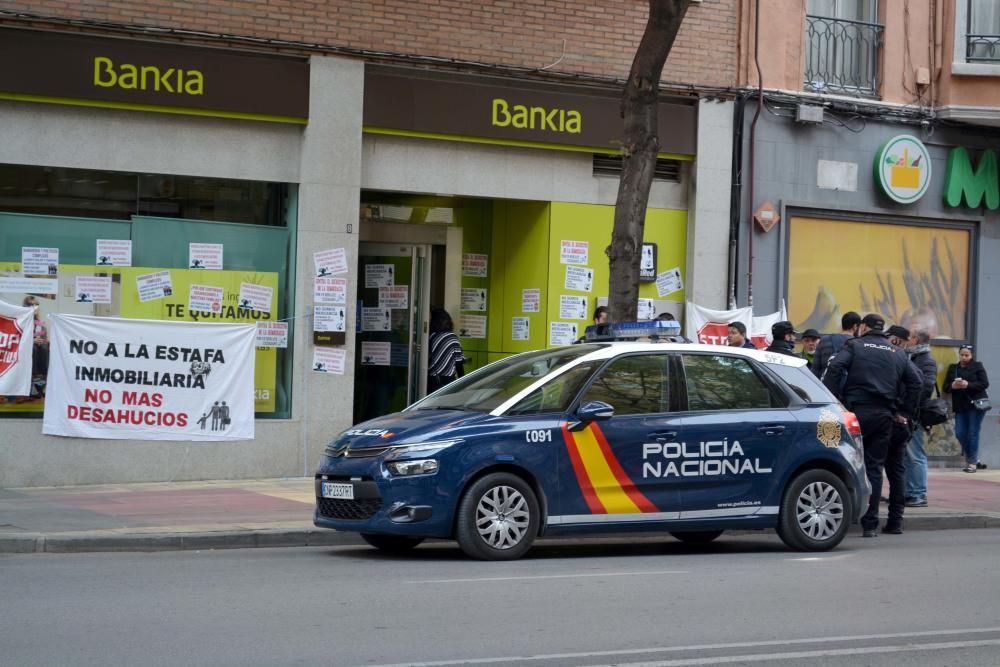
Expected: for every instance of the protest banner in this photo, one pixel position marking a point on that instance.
(117, 378)
(16, 326)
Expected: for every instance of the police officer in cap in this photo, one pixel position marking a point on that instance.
(782, 338)
(876, 381)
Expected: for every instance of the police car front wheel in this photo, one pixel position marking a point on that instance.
(814, 512)
(497, 518)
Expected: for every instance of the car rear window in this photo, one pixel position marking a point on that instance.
(805, 385)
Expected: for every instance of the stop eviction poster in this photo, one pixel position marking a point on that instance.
(149, 380)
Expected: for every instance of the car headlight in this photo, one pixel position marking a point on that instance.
(418, 448)
(414, 467)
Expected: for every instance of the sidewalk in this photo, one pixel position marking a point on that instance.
(278, 513)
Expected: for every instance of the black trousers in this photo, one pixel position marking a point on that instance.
(885, 445)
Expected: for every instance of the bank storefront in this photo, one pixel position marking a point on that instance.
(887, 219)
(334, 203)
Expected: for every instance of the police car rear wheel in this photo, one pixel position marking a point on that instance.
(395, 544)
(814, 512)
(497, 518)
(697, 536)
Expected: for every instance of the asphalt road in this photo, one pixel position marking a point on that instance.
(923, 598)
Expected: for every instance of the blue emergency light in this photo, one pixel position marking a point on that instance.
(663, 331)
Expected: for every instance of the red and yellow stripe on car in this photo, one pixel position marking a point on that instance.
(605, 485)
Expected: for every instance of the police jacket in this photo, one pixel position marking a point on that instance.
(872, 371)
(828, 346)
(975, 375)
(782, 347)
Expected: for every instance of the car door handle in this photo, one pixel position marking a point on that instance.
(664, 435)
(771, 429)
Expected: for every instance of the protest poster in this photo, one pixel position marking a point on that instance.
(39, 261)
(520, 328)
(17, 284)
(93, 289)
(16, 328)
(474, 299)
(375, 319)
(256, 297)
(272, 334)
(379, 275)
(572, 307)
(205, 256)
(205, 298)
(152, 286)
(574, 252)
(474, 266)
(579, 278)
(395, 296)
(115, 378)
(374, 353)
(330, 262)
(327, 360)
(562, 333)
(669, 282)
(114, 252)
(329, 318)
(531, 300)
(330, 290)
(472, 326)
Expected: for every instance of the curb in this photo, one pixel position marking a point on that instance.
(280, 537)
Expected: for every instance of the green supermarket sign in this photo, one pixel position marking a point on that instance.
(903, 168)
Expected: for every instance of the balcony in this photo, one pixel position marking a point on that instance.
(982, 49)
(842, 56)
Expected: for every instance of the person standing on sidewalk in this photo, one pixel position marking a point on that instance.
(874, 379)
(831, 344)
(782, 338)
(919, 349)
(738, 336)
(967, 382)
(810, 341)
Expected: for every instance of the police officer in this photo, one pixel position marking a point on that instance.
(876, 381)
(782, 338)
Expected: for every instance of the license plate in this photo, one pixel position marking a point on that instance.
(338, 491)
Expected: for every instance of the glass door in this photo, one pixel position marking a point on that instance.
(390, 328)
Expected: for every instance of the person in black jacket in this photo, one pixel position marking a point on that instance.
(967, 382)
(830, 345)
(783, 338)
(874, 379)
(738, 336)
(919, 349)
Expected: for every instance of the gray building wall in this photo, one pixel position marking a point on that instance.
(788, 156)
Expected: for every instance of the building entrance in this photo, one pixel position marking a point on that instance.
(394, 281)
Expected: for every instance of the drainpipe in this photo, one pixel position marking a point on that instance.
(753, 146)
(735, 197)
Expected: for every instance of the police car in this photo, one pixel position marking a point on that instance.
(604, 437)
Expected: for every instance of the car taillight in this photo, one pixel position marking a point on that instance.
(852, 423)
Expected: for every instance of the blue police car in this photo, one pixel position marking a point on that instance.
(603, 437)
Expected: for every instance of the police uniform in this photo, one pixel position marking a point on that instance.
(876, 381)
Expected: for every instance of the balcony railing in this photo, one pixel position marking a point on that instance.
(842, 56)
(982, 48)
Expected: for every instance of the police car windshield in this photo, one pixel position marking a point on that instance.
(485, 389)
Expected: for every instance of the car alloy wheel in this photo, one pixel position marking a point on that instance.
(498, 517)
(819, 510)
(815, 511)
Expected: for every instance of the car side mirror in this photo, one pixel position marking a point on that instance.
(595, 411)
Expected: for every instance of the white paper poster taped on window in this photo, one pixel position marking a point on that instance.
(474, 299)
(272, 334)
(520, 328)
(472, 326)
(149, 379)
(39, 261)
(205, 256)
(375, 319)
(396, 296)
(669, 282)
(474, 266)
(579, 278)
(379, 275)
(93, 289)
(330, 290)
(256, 297)
(328, 360)
(114, 252)
(562, 333)
(574, 252)
(17, 284)
(16, 348)
(205, 298)
(572, 307)
(374, 353)
(645, 310)
(152, 286)
(531, 300)
(330, 262)
(330, 318)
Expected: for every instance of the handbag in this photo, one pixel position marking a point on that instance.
(935, 410)
(982, 403)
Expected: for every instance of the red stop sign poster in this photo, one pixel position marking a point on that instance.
(714, 333)
(10, 343)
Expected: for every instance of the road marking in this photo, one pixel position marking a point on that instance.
(798, 655)
(545, 576)
(710, 647)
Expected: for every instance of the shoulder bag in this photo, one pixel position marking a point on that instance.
(935, 410)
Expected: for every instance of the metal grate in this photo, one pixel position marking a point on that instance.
(842, 56)
(348, 509)
(611, 165)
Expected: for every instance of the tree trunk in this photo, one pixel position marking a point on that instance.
(640, 146)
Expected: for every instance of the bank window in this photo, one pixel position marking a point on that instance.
(638, 384)
(716, 382)
(160, 216)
